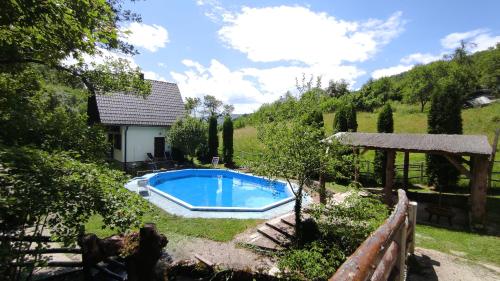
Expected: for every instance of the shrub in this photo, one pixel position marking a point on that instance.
(385, 124)
(444, 118)
(227, 141)
(342, 228)
(345, 119)
(213, 139)
(186, 135)
(315, 262)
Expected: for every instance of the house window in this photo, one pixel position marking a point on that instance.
(118, 142)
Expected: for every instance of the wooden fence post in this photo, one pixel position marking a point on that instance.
(401, 263)
(412, 217)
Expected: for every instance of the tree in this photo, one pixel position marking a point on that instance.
(293, 151)
(187, 134)
(228, 109)
(192, 105)
(49, 32)
(42, 190)
(385, 124)
(421, 83)
(444, 118)
(227, 141)
(211, 106)
(345, 119)
(337, 89)
(213, 138)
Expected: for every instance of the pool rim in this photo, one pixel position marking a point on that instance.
(219, 209)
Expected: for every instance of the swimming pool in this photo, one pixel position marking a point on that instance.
(219, 190)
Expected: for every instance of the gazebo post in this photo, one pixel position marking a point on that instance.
(389, 176)
(479, 185)
(405, 170)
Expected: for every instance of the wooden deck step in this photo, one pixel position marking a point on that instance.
(263, 243)
(283, 228)
(274, 235)
(289, 221)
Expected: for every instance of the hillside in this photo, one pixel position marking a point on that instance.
(407, 119)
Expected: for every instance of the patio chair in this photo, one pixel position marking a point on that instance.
(215, 162)
(142, 185)
(151, 161)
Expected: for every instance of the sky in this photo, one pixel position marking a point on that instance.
(247, 53)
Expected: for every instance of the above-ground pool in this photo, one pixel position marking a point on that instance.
(219, 190)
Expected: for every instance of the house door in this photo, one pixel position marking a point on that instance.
(159, 147)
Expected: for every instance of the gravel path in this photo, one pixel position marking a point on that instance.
(433, 265)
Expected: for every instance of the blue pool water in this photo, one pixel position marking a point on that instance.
(222, 189)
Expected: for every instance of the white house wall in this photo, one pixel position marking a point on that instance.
(140, 141)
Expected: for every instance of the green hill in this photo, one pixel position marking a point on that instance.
(407, 119)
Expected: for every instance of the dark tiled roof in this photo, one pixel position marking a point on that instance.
(456, 144)
(161, 108)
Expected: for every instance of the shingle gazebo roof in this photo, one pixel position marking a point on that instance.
(161, 108)
(424, 143)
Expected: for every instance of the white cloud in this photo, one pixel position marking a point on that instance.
(153, 75)
(248, 88)
(482, 39)
(101, 56)
(420, 58)
(296, 33)
(393, 70)
(149, 37)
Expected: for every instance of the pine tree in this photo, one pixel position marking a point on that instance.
(227, 141)
(345, 119)
(385, 124)
(213, 139)
(444, 118)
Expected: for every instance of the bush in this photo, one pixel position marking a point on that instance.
(314, 262)
(186, 135)
(213, 139)
(385, 124)
(340, 229)
(227, 141)
(345, 119)
(444, 118)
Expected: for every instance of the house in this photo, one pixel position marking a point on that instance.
(138, 125)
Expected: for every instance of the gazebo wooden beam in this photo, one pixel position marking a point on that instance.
(458, 165)
(389, 176)
(479, 186)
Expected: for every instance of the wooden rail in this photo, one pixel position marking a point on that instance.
(382, 256)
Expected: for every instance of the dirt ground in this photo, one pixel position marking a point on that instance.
(432, 265)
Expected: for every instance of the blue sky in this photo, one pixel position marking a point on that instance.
(249, 52)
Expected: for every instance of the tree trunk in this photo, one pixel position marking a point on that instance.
(298, 220)
(322, 189)
(422, 106)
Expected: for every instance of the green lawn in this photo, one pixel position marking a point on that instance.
(470, 246)
(214, 229)
(407, 119)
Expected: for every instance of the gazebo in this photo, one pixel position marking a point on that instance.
(452, 147)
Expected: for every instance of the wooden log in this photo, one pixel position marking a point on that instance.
(452, 159)
(479, 185)
(362, 263)
(401, 263)
(384, 268)
(389, 176)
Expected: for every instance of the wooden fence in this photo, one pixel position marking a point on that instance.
(382, 256)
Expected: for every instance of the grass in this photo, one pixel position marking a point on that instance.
(221, 230)
(470, 246)
(407, 119)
